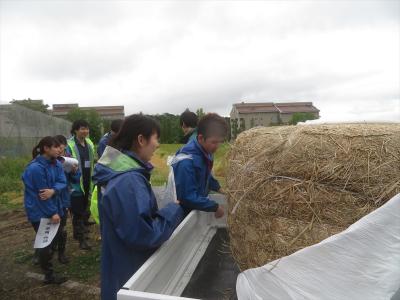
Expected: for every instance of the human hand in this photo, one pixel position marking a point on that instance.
(220, 212)
(46, 194)
(55, 219)
(74, 168)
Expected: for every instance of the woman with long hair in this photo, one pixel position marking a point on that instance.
(44, 180)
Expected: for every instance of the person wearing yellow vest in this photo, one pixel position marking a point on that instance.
(81, 148)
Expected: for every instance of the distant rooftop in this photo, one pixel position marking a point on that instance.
(283, 108)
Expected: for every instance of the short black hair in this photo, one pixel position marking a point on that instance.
(116, 125)
(78, 124)
(212, 125)
(131, 128)
(188, 118)
(61, 139)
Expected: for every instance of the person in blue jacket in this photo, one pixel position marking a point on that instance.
(44, 181)
(73, 177)
(114, 128)
(193, 177)
(132, 225)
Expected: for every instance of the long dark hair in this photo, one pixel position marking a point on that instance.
(47, 141)
(131, 128)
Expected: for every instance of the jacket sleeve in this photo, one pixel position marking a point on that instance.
(35, 180)
(214, 184)
(68, 151)
(74, 177)
(127, 204)
(186, 188)
(60, 180)
(101, 147)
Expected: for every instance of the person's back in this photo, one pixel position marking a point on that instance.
(114, 128)
(188, 121)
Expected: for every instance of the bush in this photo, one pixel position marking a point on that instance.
(10, 174)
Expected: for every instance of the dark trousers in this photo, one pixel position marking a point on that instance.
(80, 216)
(61, 242)
(46, 254)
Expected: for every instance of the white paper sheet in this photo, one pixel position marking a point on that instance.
(46, 233)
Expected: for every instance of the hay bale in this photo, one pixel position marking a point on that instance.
(291, 187)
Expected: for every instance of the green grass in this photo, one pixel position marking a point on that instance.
(160, 173)
(23, 256)
(10, 174)
(84, 266)
(11, 186)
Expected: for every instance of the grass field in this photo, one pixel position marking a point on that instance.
(159, 160)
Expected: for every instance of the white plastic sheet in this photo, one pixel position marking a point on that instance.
(69, 163)
(169, 193)
(362, 262)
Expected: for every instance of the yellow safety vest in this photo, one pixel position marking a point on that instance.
(75, 154)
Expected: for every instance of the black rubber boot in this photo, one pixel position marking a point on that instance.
(51, 278)
(35, 258)
(61, 248)
(84, 245)
(62, 258)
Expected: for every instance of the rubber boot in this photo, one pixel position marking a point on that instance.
(52, 278)
(35, 258)
(84, 245)
(61, 248)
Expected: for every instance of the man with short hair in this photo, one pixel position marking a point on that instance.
(114, 128)
(81, 148)
(193, 178)
(188, 122)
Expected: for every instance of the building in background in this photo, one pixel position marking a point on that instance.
(105, 112)
(244, 116)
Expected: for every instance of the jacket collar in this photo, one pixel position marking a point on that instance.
(206, 155)
(44, 161)
(145, 165)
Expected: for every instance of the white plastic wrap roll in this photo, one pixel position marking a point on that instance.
(360, 263)
(69, 163)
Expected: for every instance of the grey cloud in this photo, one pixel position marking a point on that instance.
(89, 63)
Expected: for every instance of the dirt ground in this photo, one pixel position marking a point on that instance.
(16, 252)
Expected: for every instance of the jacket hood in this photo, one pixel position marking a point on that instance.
(114, 162)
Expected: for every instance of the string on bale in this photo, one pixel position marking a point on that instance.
(290, 187)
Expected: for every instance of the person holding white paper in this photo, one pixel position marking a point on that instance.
(44, 180)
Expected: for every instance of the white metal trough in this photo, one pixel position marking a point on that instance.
(168, 271)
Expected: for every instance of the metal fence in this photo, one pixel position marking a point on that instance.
(22, 128)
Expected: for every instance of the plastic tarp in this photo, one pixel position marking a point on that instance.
(169, 193)
(362, 262)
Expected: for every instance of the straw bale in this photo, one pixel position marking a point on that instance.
(290, 187)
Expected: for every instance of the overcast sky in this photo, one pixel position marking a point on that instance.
(159, 56)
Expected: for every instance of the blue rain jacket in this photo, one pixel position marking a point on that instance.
(42, 173)
(132, 225)
(193, 178)
(103, 143)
